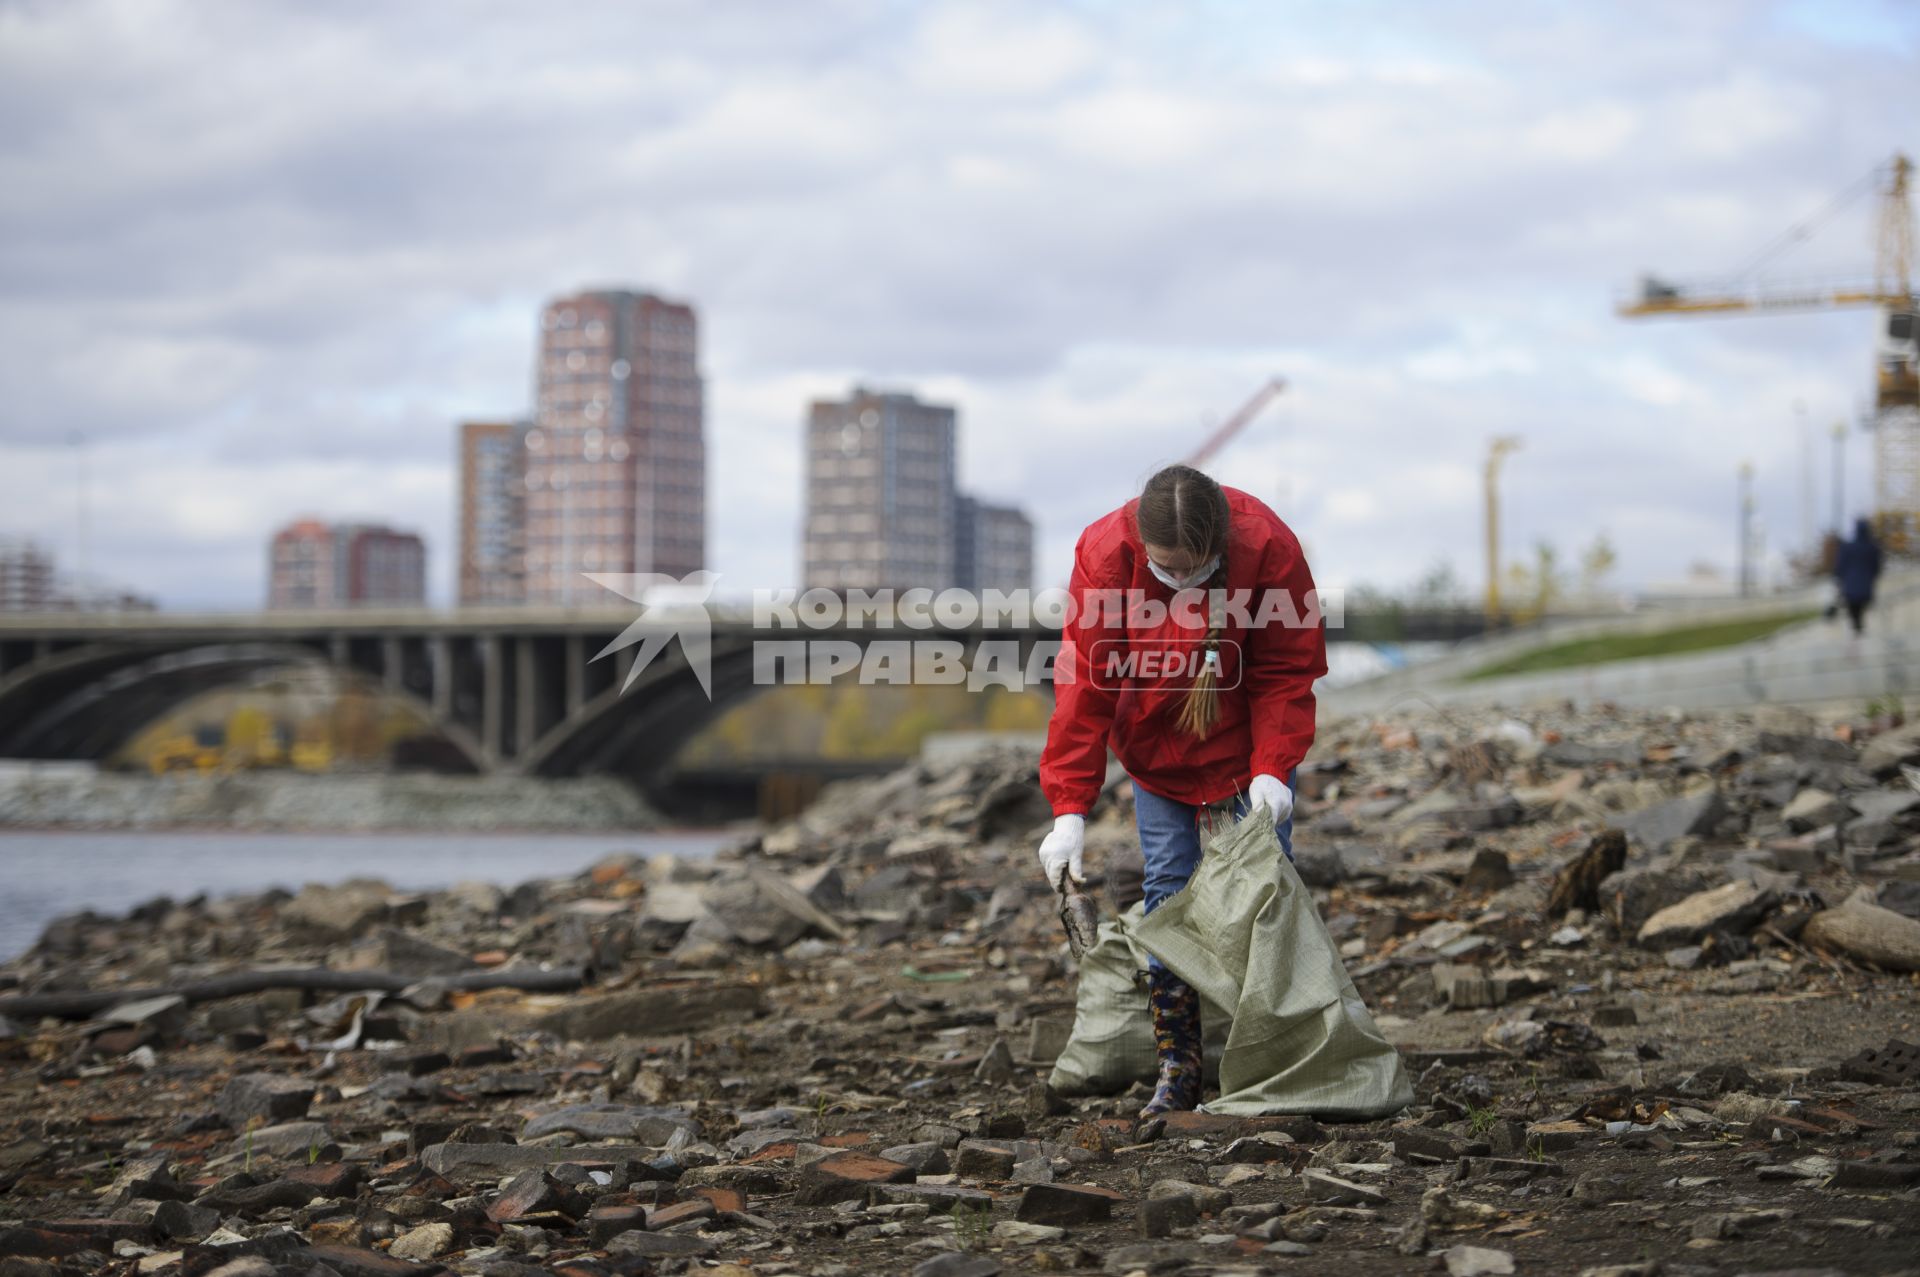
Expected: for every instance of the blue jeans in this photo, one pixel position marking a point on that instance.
(1170, 843)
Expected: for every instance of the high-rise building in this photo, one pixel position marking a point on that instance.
(314, 564)
(883, 511)
(492, 538)
(26, 576)
(300, 571)
(992, 546)
(384, 566)
(880, 493)
(615, 459)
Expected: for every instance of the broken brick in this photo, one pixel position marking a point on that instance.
(1197, 1125)
(681, 1212)
(974, 1160)
(330, 1179)
(723, 1199)
(1064, 1205)
(535, 1192)
(608, 1220)
(845, 1176)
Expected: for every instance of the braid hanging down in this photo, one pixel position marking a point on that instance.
(1181, 508)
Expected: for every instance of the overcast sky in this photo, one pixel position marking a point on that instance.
(263, 256)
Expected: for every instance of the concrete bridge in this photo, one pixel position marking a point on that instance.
(512, 689)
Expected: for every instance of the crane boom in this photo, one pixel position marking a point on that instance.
(1891, 286)
(1896, 357)
(1233, 425)
(1658, 297)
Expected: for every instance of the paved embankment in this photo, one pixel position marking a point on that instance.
(1815, 663)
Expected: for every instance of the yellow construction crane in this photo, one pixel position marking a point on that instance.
(1497, 451)
(1896, 451)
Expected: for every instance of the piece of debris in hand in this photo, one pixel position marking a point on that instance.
(1079, 916)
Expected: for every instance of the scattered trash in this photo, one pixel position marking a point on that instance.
(825, 1050)
(1079, 916)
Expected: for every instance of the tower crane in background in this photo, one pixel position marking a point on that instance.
(1233, 425)
(1497, 450)
(1896, 420)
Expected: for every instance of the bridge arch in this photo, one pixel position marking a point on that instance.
(86, 702)
(638, 732)
(512, 688)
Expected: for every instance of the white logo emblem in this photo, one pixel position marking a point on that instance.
(669, 607)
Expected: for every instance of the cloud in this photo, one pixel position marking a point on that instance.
(293, 246)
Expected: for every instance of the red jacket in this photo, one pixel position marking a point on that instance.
(1267, 672)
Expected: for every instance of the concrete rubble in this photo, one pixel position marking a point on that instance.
(1683, 1047)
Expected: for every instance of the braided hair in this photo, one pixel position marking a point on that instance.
(1181, 508)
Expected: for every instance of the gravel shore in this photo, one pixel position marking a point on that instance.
(71, 797)
(1645, 970)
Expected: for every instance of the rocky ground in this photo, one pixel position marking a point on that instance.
(40, 796)
(1675, 1048)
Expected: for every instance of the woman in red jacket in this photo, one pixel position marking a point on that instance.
(1192, 653)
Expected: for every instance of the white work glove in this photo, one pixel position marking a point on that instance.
(1272, 793)
(1060, 850)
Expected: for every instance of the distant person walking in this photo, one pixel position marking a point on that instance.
(1856, 567)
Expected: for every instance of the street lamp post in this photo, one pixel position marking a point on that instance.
(1746, 529)
(1805, 431)
(1839, 478)
(80, 461)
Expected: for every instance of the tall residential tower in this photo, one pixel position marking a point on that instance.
(492, 536)
(615, 459)
(992, 546)
(883, 509)
(880, 493)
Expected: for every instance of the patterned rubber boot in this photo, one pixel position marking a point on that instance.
(1176, 1035)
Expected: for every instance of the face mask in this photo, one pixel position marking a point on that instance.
(1197, 577)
